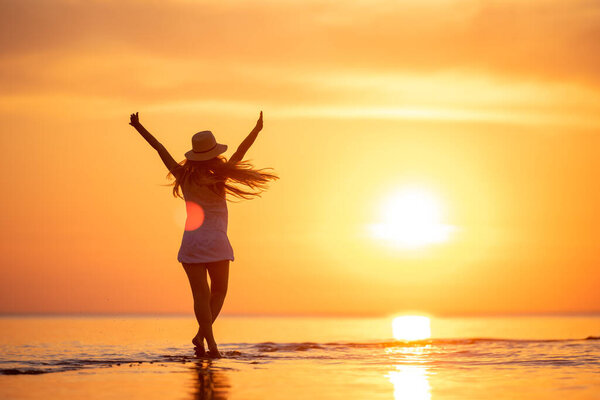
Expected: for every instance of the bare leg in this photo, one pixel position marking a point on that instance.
(198, 342)
(198, 282)
(219, 277)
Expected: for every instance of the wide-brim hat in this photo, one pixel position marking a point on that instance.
(205, 147)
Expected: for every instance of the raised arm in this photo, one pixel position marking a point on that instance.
(245, 145)
(169, 161)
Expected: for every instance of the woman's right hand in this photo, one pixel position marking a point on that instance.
(134, 119)
(259, 123)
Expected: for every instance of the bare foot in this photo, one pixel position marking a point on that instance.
(200, 352)
(198, 342)
(213, 353)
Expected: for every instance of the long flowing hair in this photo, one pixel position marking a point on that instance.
(218, 172)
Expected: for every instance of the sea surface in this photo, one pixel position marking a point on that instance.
(141, 357)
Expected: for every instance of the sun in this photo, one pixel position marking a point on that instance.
(411, 327)
(411, 218)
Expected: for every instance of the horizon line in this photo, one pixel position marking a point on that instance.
(591, 313)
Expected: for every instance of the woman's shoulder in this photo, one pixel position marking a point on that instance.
(177, 169)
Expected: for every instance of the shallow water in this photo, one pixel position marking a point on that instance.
(143, 357)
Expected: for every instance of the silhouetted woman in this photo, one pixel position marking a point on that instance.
(206, 178)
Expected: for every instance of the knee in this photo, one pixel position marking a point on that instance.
(201, 296)
(202, 303)
(218, 290)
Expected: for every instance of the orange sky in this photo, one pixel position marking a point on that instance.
(492, 106)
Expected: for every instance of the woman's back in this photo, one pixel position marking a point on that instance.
(205, 235)
(208, 200)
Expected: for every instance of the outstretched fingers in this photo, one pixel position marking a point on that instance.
(134, 119)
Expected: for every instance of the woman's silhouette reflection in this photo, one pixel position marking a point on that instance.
(210, 382)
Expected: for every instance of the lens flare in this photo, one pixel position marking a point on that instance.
(195, 216)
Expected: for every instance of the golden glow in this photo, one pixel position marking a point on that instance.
(410, 382)
(502, 143)
(411, 327)
(411, 218)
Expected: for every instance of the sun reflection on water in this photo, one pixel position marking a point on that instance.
(410, 382)
(410, 377)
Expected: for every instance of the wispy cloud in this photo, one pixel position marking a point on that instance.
(386, 59)
(547, 39)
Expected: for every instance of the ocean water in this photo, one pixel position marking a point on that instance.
(299, 358)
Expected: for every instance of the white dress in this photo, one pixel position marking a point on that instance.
(205, 237)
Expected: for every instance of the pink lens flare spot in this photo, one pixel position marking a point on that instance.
(195, 216)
